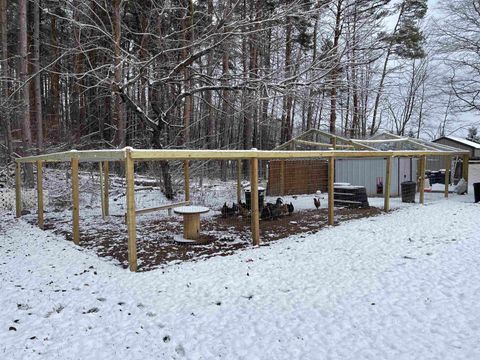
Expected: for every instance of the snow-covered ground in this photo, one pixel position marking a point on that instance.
(404, 285)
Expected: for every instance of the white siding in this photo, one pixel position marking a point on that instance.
(364, 172)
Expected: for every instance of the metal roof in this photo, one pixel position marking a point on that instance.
(466, 142)
(384, 141)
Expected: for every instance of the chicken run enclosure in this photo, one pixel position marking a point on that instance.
(314, 147)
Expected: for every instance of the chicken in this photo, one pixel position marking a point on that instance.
(283, 208)
(270, 212)
(242, 209)
(229, 211)
(316, 201)
(225, 210)
(290, 208)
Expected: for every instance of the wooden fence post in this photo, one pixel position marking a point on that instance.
(331, 180)
(254, 201)
(386, 195)
(448, 163)
(18, 190)
(423, 160)
(106, 185)
(131, 216)
(102, 191)
(75, 202)
(239, 181)
(40, 216)
(186, 173)
(466, 158)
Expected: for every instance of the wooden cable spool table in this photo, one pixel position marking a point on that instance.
(191, 220)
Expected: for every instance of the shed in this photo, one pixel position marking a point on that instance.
(371, 173)
(461, 143)
(367, 171)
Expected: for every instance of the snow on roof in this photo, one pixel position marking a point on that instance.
(462, 141)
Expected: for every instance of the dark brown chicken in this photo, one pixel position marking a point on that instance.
(290, 208)
(316, 201)
(242, 209)
(229, 211)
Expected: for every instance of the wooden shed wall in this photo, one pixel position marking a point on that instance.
(301, 177)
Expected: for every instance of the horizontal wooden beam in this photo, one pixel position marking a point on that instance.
(291, 141)
(163, 207)
(271, 155)
(326, 145)
(361, 146)
(379, 141)
(82, 155)
(112, 155)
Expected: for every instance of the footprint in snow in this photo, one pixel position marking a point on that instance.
(56, 310)
(91, 311)
(180, 350)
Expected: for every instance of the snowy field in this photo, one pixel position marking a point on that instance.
(399, 286)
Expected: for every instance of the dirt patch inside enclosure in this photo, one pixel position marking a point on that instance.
(156, 245)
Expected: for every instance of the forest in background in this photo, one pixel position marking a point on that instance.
(232, 74)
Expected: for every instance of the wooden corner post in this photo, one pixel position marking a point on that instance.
(18, 190)
(448, 164)
(386, 193)
(331, 180)
(254, 201)
(75, 201)
(186, 173)
(131, 217)
(40, 216)
(239, 181)
(423, 161)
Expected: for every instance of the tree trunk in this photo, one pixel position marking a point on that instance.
(335, 70)
(310, 108)
(36, 70)
(55, 126)
(23, 76)
(187, 30)
(5, 115)
(287, 100)
(119, 113)
(210, 128)
(374, 126)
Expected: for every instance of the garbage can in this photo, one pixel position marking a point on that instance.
(476, 191)
(248, 197)
(408, 191)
